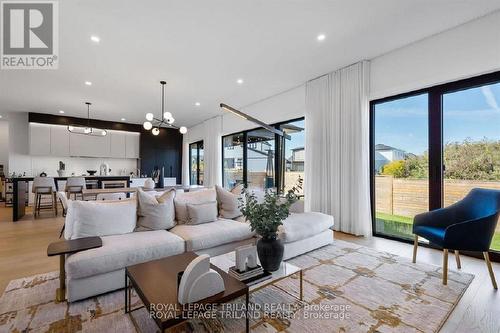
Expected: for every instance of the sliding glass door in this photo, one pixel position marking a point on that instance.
(430, 148)
(196, 164)
(471, 138)
(400, 163)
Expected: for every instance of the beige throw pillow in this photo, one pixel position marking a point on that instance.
(100, 218)
(155, 212)
(196, 197)
(228, 201)
(202, 213)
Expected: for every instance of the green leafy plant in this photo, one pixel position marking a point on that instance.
(265, 217)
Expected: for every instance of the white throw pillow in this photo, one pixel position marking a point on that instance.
(198, 197)
(102, 218)
(155, 212)
(228, 201)
(202, 213)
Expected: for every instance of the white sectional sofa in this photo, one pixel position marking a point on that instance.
(100, 270)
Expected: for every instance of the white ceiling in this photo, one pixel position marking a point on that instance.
(201, 47)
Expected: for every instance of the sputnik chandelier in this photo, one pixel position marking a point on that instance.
(165, 120)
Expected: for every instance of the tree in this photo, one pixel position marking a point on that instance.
(396, 169)
(472, 160)
(468, 160)
(411, 167)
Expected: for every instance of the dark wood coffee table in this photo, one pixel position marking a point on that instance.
(156, 283)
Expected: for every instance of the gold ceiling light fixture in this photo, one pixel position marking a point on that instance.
(166, 119)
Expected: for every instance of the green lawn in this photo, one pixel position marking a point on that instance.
(391, 220)
(395, 218)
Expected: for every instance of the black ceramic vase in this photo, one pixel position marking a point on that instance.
(270, 251)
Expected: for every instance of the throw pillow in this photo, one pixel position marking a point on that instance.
(202, 213)
(102, 218)
(155, 212)
(228, 201)
(197, 197)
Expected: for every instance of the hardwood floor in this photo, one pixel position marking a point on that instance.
(23, 252)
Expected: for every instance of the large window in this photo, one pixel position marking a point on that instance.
(261, 159)
(431, 147)
(196, 165)
(401, 173)
(471, 138)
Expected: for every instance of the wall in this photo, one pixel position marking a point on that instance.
(468, 50)
(19, 158)
(4, 145)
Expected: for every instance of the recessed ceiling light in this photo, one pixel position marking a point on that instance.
(61, 111)
(123, 119)
(239, 81)
(88, 83)
(321, 37)
(197, 104)
(0, 116)
(95, 39)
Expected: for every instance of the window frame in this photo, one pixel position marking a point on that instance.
(278, 144)
(435, 141)
(198, 145)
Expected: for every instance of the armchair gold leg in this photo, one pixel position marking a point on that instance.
(457, 258)
(445, 266)
(415, 246)
(490, 269)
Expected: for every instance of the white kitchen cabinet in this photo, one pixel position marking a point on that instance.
(117, 144)
(132, 145)
(39, 139)
(89, 145)
(59, 140)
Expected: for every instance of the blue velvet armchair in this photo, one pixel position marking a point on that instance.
(467, 225)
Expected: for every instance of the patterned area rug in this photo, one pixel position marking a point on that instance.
(347, 288)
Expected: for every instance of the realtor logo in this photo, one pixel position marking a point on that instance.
(29, 35)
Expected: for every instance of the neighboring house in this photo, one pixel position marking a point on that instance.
(385, 154)
(296, 162)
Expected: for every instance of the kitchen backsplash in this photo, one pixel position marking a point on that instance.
(80, 165)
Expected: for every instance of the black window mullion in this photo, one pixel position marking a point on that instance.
(245, 154)
(435, 149)
(198, 163)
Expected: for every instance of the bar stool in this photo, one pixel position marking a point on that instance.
(44, 186)
(75, 186)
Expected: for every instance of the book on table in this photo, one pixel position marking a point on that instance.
(250, 275)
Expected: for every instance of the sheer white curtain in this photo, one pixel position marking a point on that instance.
(212, 145)
(337, 148)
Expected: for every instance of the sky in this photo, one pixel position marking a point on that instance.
(297, 139)
(469, 114)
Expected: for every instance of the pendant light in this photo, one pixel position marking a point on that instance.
(166, 119)
(87, 130)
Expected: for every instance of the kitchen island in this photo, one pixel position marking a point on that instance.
(20, 184)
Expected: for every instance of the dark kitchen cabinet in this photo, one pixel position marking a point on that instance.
(163, 150)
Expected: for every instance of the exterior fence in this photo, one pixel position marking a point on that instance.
(408, 197)
(256, 179)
